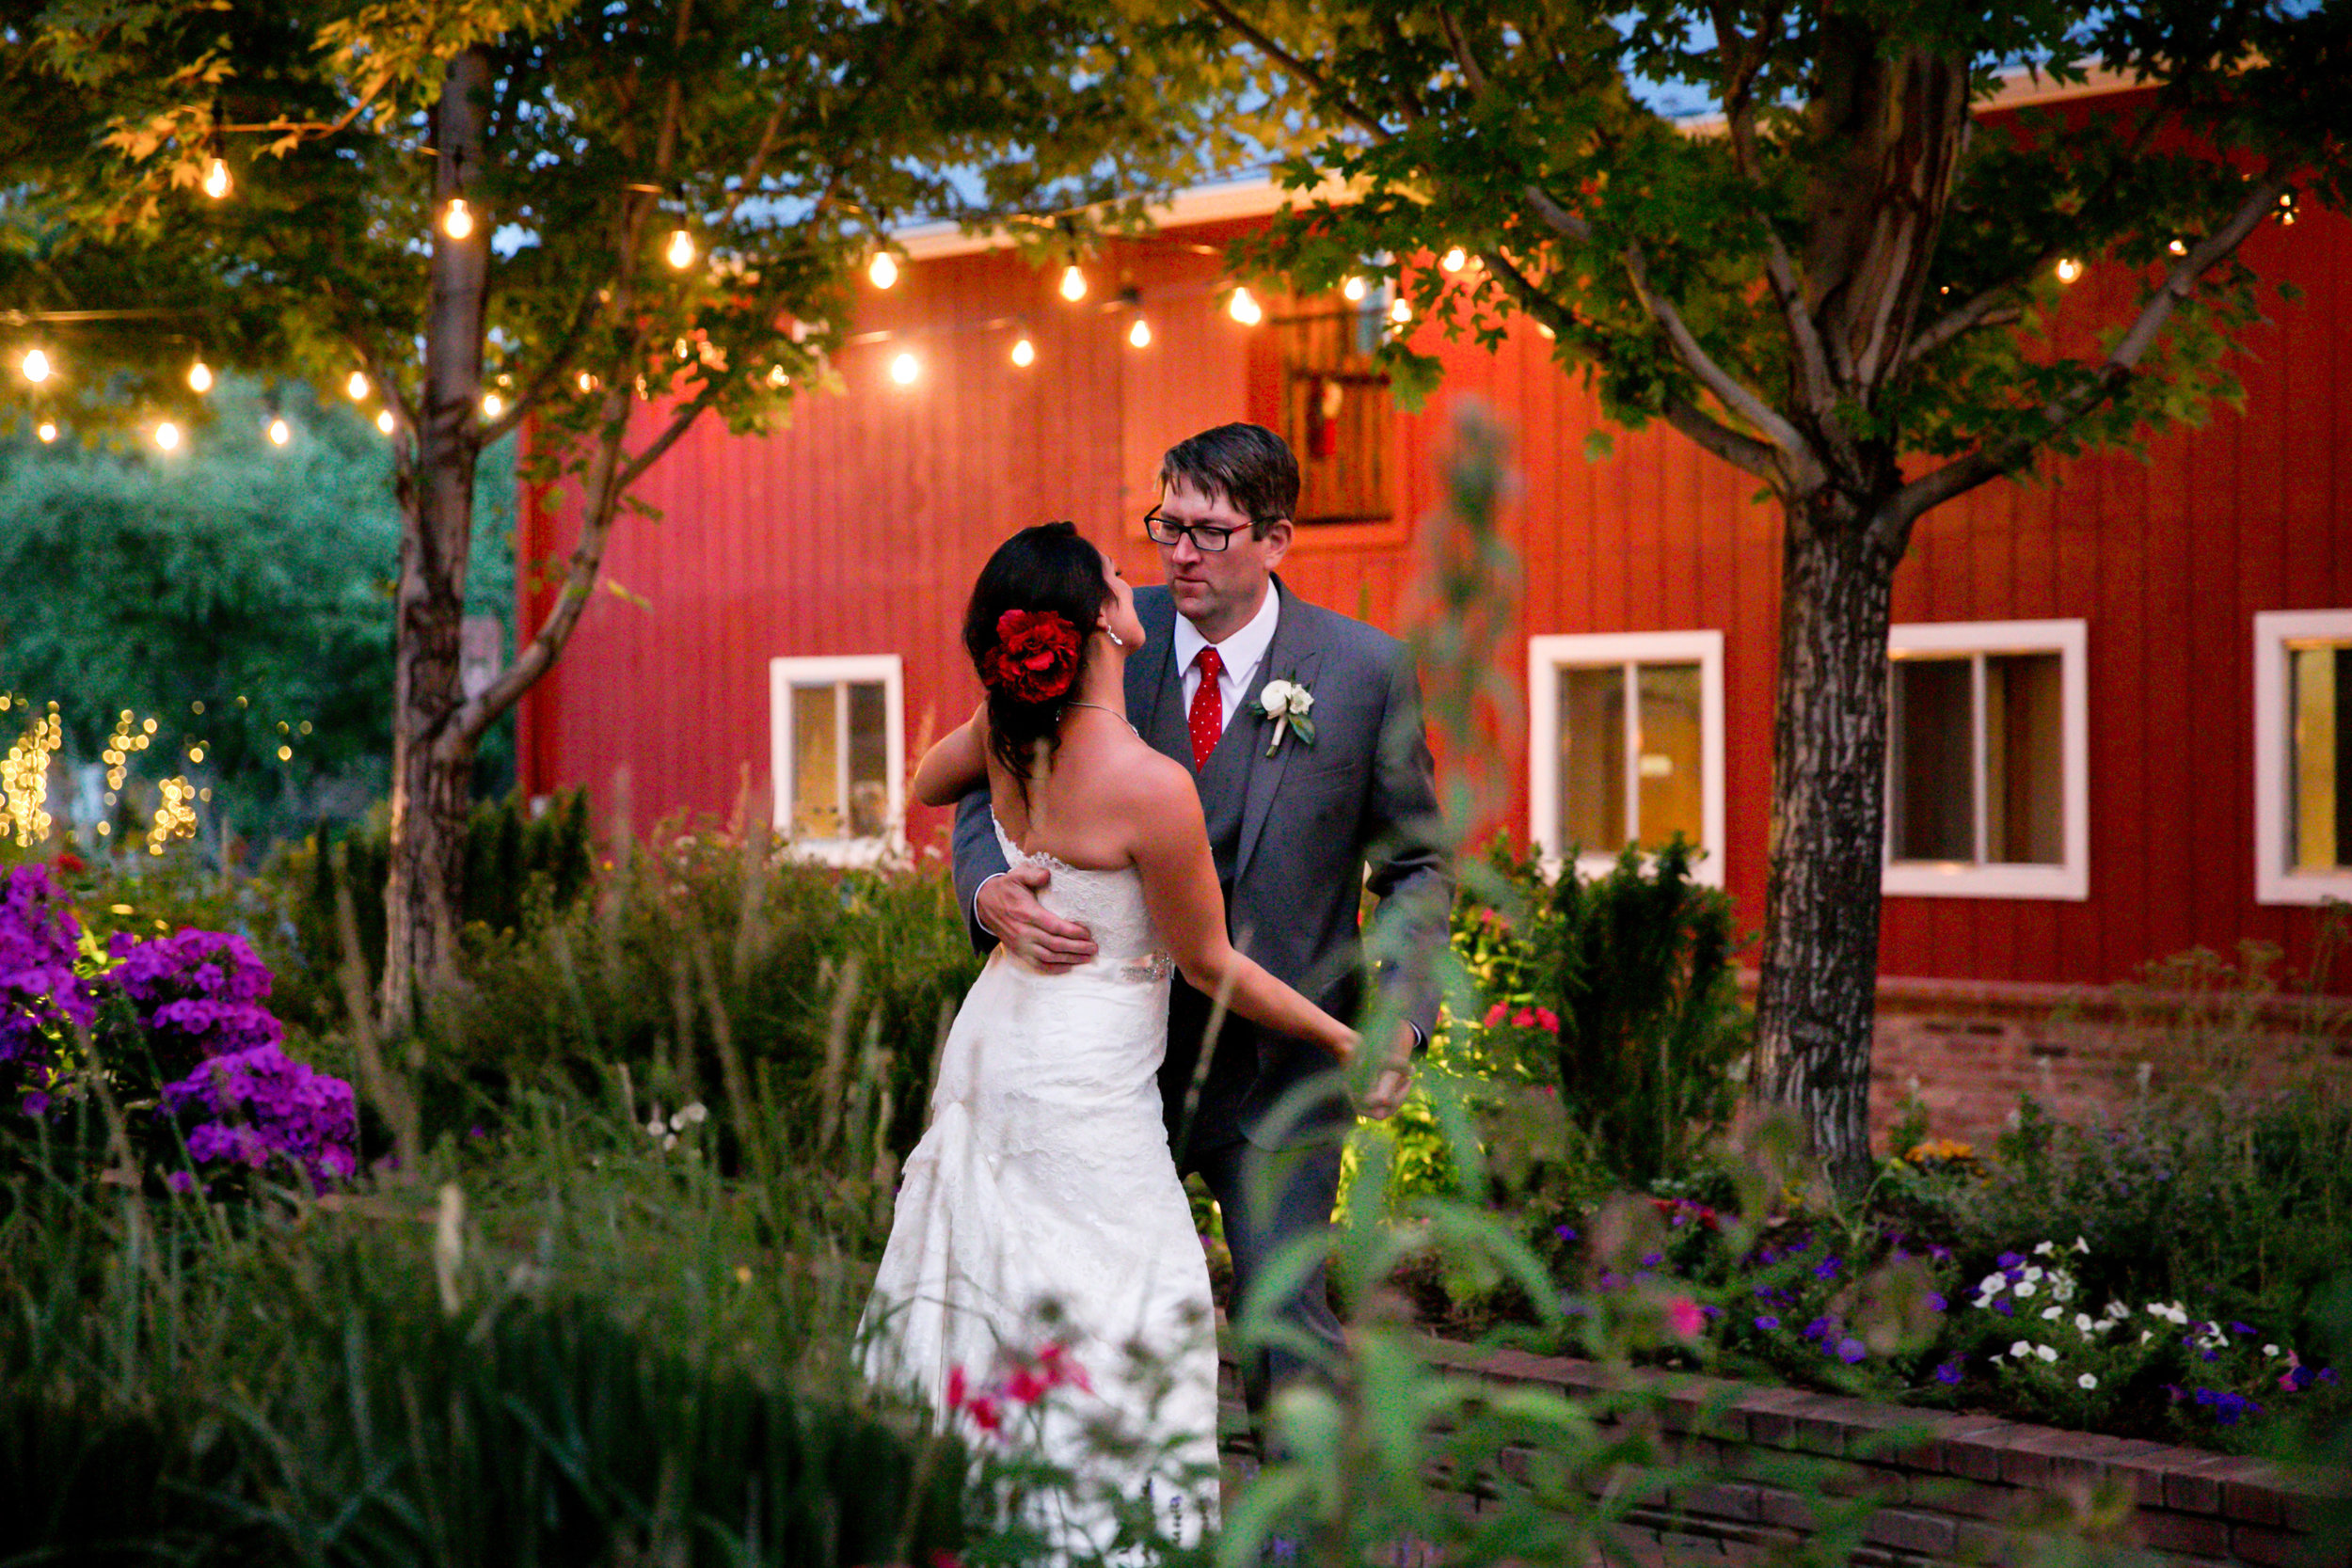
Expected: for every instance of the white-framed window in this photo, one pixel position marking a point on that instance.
(2302, 756)
(1626, 745)
(837, 744)
(1988, 790)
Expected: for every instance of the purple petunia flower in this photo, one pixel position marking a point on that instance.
(261, 1107)
(1768, 1323)
(1850, 1351)
(1827, 1268)
(1949, 1373)
(1566, 1233)
(1937, 1299)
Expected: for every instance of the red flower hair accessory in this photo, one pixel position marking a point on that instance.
(1035, 657)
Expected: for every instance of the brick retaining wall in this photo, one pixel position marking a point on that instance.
(1950, 1489)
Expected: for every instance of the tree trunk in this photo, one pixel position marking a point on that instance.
(431, 762)
(1816, 994)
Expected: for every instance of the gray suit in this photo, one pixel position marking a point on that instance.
(1294, 835)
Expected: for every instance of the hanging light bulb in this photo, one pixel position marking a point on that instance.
(778, 378)
(2068, 269)
(457, 218)
(167, 436)
(2178, 248)
(904, 368)
(383, 421)
(587, 382)
(1353, 289)
(357, 388)
(1245, 309)
(280, 432)
(884, 271)
(1455, 260)
(48, 431)
(1401, 312)
(2286, 207)
(200, 377)
(1073, 283)
(492, 405)
(1140, 335)
(1023, 353)
(1544, 330)
(681, 252)
(37, 367)
(217, 180)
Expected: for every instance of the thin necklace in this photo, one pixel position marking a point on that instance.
(1113, 712)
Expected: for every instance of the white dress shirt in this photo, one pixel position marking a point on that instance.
(1243, 653)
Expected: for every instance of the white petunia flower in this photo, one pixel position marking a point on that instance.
(2270, 1350)
(655, 1128)
(2023, 1347)
(695, 1112)
(2052, 1314)
(1992, 1285)
(2026, 1287)
(2145, 1335)
(2086, 1381)
(2045, 1249)
(2045, 1353)
(2033, 1270)
(2082, 1323)
(2082, 1246)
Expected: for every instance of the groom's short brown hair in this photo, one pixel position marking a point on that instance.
(1247, 464)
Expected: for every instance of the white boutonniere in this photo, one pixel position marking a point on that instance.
(1284, 703)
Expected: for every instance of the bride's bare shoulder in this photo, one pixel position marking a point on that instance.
(1142, 779)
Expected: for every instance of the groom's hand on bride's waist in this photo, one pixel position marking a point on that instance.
(1008, 909)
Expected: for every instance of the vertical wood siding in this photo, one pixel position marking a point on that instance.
(858, 529)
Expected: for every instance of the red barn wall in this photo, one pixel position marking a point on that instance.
(858, 529)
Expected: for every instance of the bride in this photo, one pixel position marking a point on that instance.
(1042, 1239)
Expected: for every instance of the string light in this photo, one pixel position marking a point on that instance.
(1545, 329)
(2178, 248)
(884, 271)
(904, 368)
(383, 421)
(216, 182)
(167, 436)
(357, 388)
(681, 252)
(587, 382)
(279, 433)
(1353, 289)
(1243, 307)
(1073, 283)
(1023, 353)
(200, 377)
(1401, 312)
(777, 378)
(48, 431)
(1140, 335)
(457, 218)
(2068, 269)
(1455, 260)
(36, 368)
(2286, 207)
(492, 405)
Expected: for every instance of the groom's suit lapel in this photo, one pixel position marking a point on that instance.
(1154, 700)
(1295, 654)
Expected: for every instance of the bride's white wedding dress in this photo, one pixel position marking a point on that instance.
(1043, 1207)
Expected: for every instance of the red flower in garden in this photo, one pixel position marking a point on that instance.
(1035, 657)
(1548, 1020)
(1496, 1013)
(984, 1413)
(68, 862)
(1684, 1318)
(955, 1388)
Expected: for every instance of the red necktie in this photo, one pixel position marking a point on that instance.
(1208, 708)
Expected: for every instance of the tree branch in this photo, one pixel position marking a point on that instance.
(1304, 73)
(1740, 450)
(557, 361)
(1799, 464)
(1963, 474)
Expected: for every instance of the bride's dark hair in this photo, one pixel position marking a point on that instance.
(1032, 612)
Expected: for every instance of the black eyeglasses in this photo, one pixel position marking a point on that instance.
(1207, 540)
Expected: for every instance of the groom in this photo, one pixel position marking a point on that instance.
(1298, 828)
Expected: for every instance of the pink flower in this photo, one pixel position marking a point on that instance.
(1026, 1385)
(1547, 1019)
(955, 1388)
(1684, 1318)
(1524, 1018)
(984, 1413)
(1495, 1014)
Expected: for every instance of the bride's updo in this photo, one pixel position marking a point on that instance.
(1032, 612)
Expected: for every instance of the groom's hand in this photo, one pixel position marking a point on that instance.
(1008, 910)
(1394, 1080)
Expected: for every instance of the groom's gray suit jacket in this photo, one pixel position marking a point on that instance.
(1299, 836)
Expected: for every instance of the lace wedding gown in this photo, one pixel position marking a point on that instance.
(1041, 1207)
